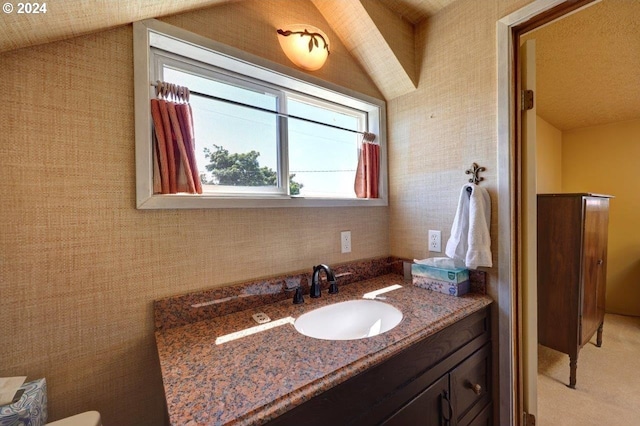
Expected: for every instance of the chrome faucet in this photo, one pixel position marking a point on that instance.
(314, 291)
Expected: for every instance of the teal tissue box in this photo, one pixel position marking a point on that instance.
(452, 289)
(453, 275)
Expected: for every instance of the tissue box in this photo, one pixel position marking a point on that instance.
(30, 410)
(454, 282)
(452, 289)
(451, 275)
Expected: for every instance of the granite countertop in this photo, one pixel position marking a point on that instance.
(229, 371)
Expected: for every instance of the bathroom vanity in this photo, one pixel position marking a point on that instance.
(433, 366)
(444, 377)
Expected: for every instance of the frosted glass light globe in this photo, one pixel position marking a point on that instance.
(305, 45)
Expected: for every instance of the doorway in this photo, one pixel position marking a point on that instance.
(517, 386)
(513, 291)
(598, 45)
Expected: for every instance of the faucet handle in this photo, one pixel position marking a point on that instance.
(292, 286)
(297, 297)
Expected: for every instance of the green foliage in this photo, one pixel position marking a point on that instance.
(238, 169)
(242, 170)
(294, 187)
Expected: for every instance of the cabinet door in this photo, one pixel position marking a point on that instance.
(432, 407)
(596, 222)
(471, 385)
(484, 418)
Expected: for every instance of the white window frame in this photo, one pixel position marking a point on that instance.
(160, 59)
(152, 33)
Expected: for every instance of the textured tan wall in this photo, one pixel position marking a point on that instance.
(437, 132)
(227, 24)
(548, 157)
(603, 159)
(448, 123)
(80, 266)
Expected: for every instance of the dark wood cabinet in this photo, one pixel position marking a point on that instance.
(455, 399)
(469, 384)
(444, 379)
(432, 407)
(572, 271)
(484, 418)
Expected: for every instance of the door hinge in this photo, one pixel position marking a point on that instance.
(527, 100)
(529, 420)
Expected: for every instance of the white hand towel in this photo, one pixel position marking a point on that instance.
(470, 239)
(457, 244)
(479, 250)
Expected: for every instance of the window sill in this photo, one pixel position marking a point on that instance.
(188, 201)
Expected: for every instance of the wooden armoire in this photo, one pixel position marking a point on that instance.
(572, 271)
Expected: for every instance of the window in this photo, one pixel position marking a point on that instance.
(265, 135)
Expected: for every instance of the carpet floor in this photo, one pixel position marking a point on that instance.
(607, 381)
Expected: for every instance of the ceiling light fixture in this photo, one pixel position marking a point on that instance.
(306, 46)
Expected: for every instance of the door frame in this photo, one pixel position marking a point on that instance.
(510, 193)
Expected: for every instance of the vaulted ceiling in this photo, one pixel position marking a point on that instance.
(75, 17)
(587, 63)
(386, 25)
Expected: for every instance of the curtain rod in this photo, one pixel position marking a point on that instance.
(369, 137)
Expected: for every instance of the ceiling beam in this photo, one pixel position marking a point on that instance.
(382, 42)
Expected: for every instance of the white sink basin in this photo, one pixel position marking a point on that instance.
(354, 319)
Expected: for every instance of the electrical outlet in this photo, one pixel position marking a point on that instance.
(345, 241)
(261, 317)
(435, 241)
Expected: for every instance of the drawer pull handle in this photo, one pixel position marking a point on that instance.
(477, 389)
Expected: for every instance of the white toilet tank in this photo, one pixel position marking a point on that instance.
(90, 418)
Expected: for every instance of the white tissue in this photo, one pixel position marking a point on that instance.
(8, 388)
(441, 262)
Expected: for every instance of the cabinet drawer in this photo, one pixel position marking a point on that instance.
(471, 385)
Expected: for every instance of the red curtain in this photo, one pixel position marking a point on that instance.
(175, 168)
(368, 171)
